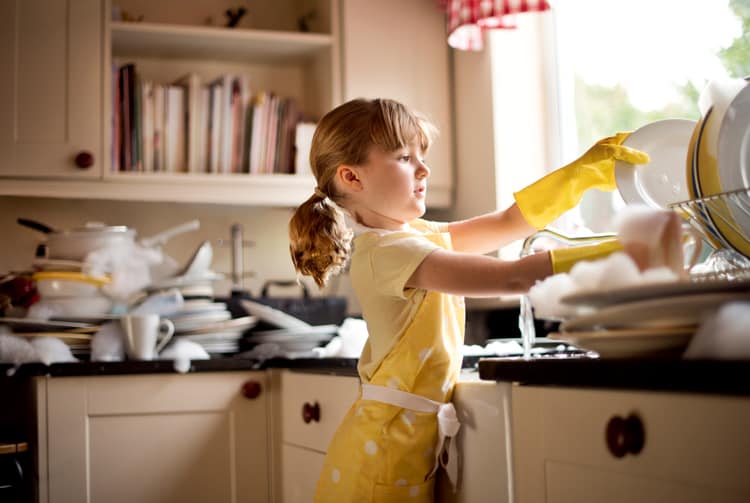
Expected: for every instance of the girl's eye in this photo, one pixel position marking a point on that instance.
(404, 158)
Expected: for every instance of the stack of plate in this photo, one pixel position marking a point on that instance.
(646, 320)
(211, 325)
(77, 335)
(292, 335)
(192, 287)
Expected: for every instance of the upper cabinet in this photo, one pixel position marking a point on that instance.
(51, 89)
(61, 89)
(396, 49)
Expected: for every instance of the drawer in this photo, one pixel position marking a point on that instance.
(333, 396)
(694, 440)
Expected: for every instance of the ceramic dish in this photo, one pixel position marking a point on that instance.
(662, 181)
(708, 178)
(676, 311)
(630, 343)
(602, 298)
(32, 325)
(238, 325)
(734, 155)
(272, 316)
(196, 321)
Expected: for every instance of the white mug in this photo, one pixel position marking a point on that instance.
(145, 335)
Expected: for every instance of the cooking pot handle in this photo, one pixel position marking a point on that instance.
(284, 283)
(37, 226)
(164, 236)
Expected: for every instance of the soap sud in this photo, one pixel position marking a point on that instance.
(17, 350)
(349, 343)
(723, 335)
(617, 270)
(182, 352)
(129, 266)
(107, 344)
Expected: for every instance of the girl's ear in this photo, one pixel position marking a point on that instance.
(348, 178)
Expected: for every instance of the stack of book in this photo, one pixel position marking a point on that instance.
(191, 127)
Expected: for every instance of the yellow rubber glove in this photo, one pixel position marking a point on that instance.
(546, 199)
(563, 259)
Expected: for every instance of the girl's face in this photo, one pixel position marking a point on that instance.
(394, 187)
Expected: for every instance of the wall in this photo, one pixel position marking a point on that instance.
(268, 258)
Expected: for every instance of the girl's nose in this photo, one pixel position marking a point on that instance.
(423, 170)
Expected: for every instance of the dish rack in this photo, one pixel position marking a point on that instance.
(702, 213)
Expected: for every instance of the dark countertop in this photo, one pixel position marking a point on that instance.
(730, 377)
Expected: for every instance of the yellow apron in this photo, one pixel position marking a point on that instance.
(386, 447)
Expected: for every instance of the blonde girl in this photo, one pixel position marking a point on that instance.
(410, 276)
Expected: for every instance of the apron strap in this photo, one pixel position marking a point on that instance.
(446, 452)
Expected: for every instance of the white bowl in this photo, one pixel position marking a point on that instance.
(71, 307)
(49, 288)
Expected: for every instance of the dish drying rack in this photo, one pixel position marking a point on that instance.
(724, 263)
(702, 213)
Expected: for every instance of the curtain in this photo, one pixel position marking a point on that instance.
(467, 19)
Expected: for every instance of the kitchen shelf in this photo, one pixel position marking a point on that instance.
(279, 190)
(158, 40)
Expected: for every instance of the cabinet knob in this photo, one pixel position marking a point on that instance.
(251, 389)
(84, 160)
(311, 412)
(625, 436)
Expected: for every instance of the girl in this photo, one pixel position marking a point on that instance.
(410, 276)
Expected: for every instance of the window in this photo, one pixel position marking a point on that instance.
(621, 65)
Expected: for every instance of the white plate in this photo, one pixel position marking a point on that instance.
(629, 343)
(661, 181)
(282, 333)
(182, 281)
(602, 298)
(185, 323)
(734, 152)
(272, 316)
(34, 325)
(238, 325)
(681, 310)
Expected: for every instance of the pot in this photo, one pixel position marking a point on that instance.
(75, 244)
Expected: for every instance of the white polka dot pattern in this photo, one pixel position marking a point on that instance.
(335, 475)
(371, 447)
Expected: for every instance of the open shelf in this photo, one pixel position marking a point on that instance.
(200, 42)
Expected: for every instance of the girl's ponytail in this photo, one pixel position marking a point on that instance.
(319, 238)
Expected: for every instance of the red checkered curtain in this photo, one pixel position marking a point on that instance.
(468, 18)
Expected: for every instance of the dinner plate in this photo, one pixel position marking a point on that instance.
(630, 343)
(34, 325)
(662, 181)
(286, 333)
(68, 338)
(192, 322)
(602, 298)
(680, 310)
(733, 157)
(272, 315)
(237, 325)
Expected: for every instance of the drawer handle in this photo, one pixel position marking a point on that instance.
(84, 160)
(625, 436)
(311, 412)
(251, 389)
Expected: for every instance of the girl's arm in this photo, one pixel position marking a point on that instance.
(489, 232)
(473, 275)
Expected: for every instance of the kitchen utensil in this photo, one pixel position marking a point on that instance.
(165, 235)
(662, 181)
(75, 244)
(145, 335)
(199, 263)
(682, 310)
(628, 343)
(68, 284)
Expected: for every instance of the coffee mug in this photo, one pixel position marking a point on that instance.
(145, 335)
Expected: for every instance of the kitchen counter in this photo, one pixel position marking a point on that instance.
(728, 377)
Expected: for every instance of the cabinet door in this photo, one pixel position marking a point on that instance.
(396, 49)
(50, 87)
(157, 439)
(300, 469)
(560, 438)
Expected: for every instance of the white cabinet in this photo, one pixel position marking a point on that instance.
(153, 438)
(309, 409)
(483, 442)
(51, 89)
(575, 445)
(56, 88)
(399, 50)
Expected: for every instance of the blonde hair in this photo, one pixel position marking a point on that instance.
(319, 238)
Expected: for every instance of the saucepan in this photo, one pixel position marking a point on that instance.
(77, 243)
